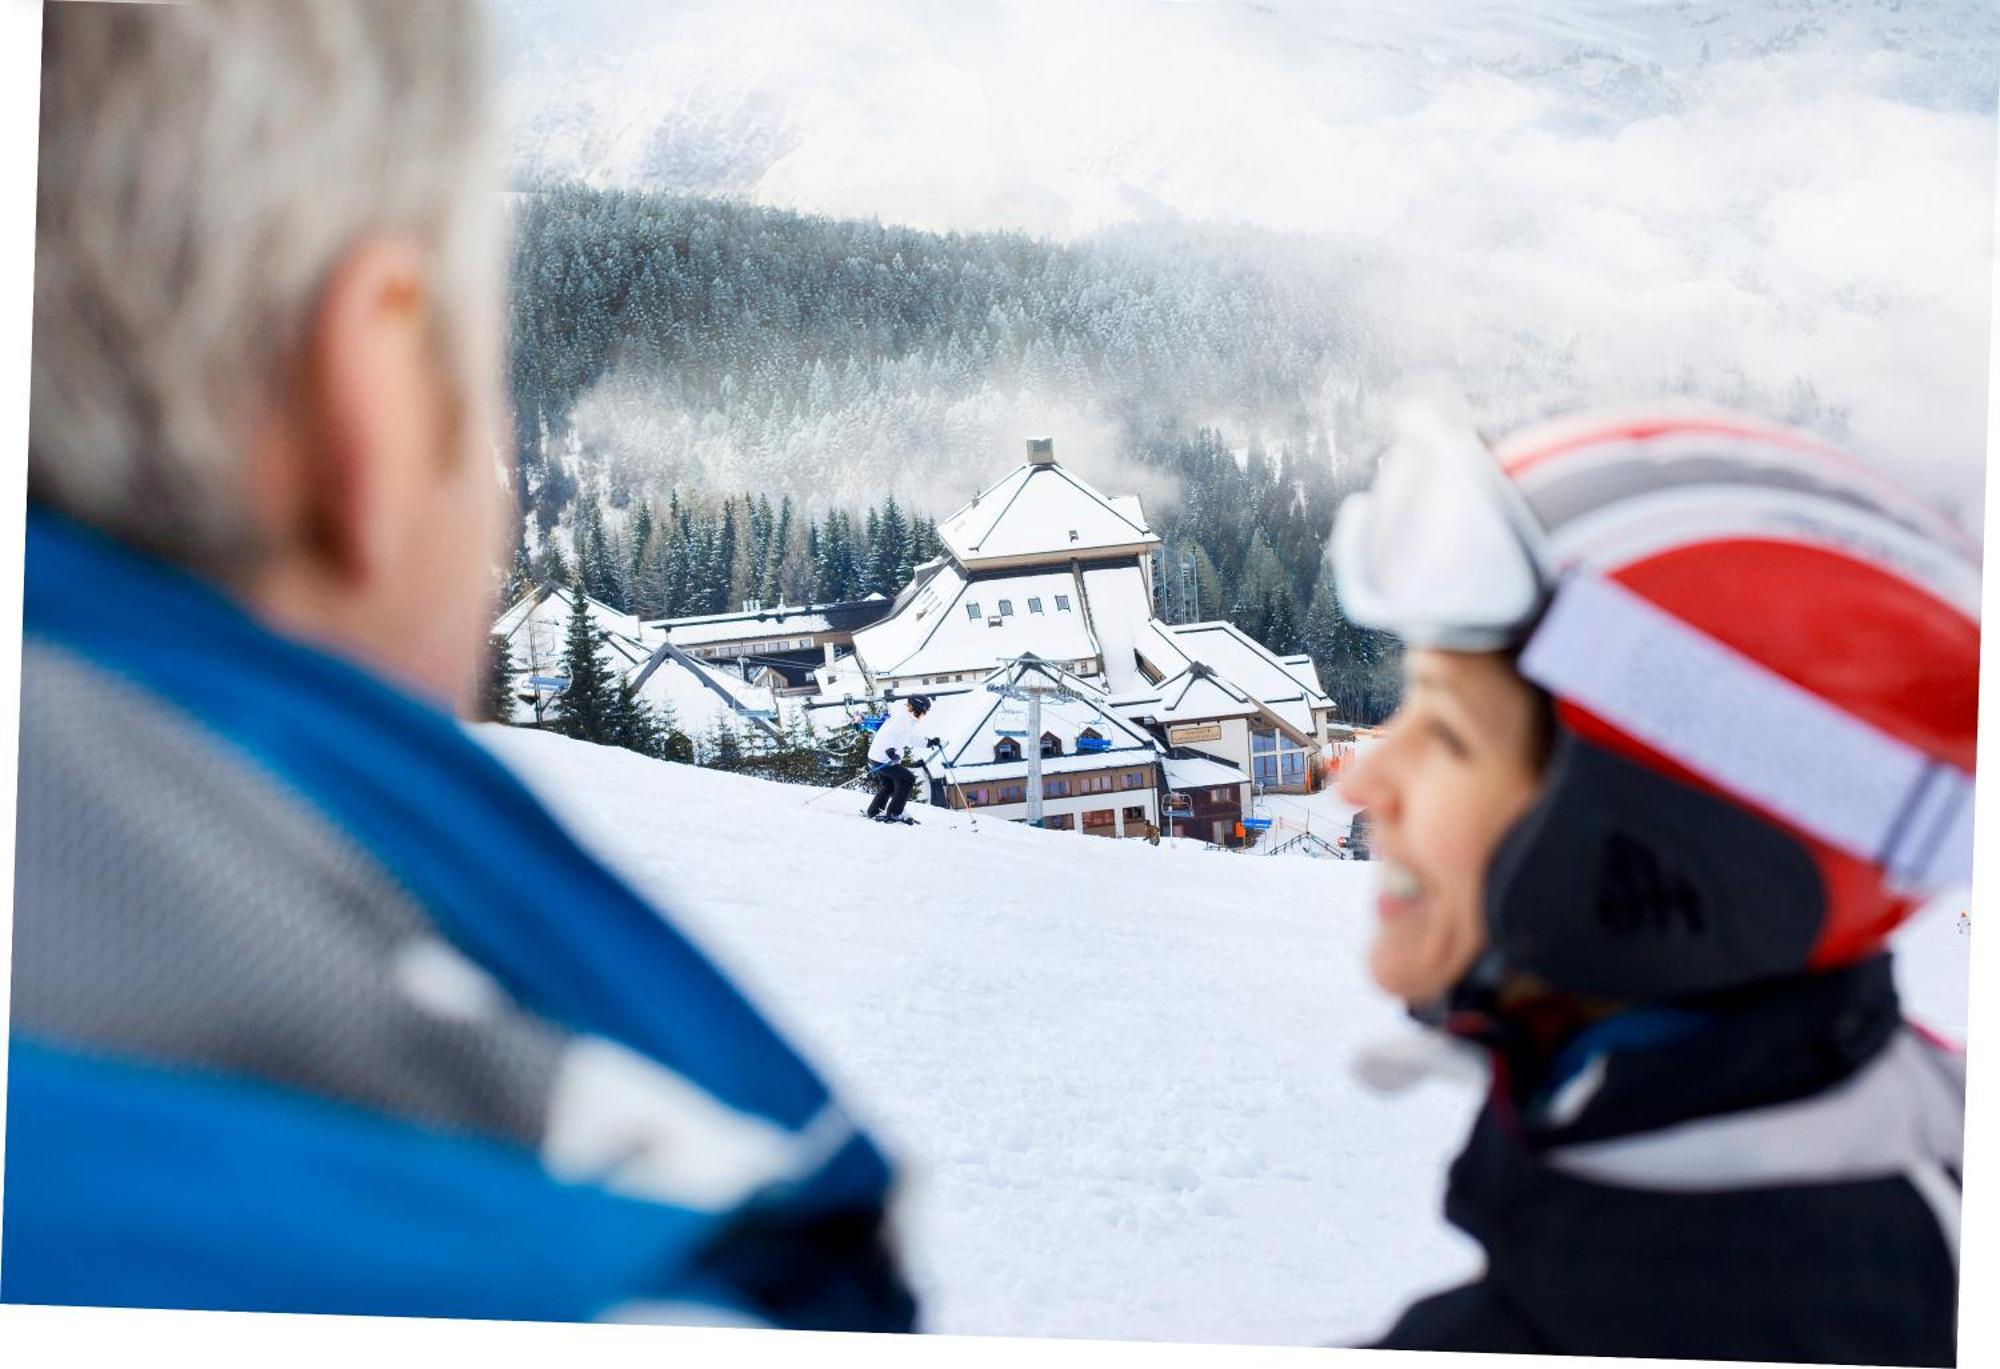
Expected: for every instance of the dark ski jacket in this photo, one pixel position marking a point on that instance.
(1770, 1177)
(317, 1009)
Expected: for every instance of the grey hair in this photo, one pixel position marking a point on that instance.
(204, 167)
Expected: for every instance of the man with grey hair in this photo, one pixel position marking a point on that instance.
(315, 1008)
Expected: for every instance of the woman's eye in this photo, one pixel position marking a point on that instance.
(1448, 737)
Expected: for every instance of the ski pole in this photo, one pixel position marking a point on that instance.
(834, 789)
(964, 806)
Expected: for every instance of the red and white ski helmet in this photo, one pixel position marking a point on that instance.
(1764, 657)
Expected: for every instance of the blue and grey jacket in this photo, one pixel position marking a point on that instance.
(1773, 1175)
(316, 1009)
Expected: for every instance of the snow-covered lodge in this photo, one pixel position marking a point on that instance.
(781, 645)
(1045, 585)
(1101, 773)
(1044, 567)
(699, 695)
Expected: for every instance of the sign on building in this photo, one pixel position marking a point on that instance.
(1186, 734)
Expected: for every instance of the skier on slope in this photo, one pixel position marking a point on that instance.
(889, 755)
(1688, 729)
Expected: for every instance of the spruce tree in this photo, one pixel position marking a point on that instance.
(588, 707)
(496, 702)
(1281, 621)
(641, 532)
(889, 550)
(723, 749)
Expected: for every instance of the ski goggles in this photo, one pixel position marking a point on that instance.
(1442, 550)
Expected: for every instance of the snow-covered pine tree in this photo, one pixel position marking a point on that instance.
(745, 562)
(496, 700)
(639, 533)
(588, 707)
(1281, 621)
(722, 749)
(1322, 629)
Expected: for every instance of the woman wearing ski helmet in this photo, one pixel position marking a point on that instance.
(1688, 730)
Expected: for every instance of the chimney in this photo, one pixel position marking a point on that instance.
(1041, 451)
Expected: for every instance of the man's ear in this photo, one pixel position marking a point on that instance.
(369, 408)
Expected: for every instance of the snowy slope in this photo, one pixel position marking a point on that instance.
(1117, 1075)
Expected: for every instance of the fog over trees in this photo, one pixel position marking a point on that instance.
(716, 402)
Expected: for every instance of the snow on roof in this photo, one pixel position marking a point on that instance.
(780, 619)
(536, 628)
(1042, 510)
(1199, 695)
(1156, 643)
(948, 626)
(1246, 662)
(699, 694)
(1119, 607)
(1201, 773)
(748, 627)
(1303, 670)
(972, 722)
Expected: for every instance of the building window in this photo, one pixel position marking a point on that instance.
(1135, 815)
(1062, 822)
(1034, 605)
(1100, 817)
(972, 611)
(1051, 745)
(1011, 793)
(1055, 789)
(1007, 750)
(1062, 603)
(1275, 760)
(1006, 608)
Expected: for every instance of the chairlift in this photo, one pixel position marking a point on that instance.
(1180, 805)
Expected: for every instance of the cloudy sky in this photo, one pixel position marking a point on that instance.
(1787, 198)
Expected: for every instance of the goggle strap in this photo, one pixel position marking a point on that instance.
(1753, 733)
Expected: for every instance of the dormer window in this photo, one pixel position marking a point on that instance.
(1006, 608)
(972, 612)
(1034, 605)
(1051, 745)
(1062, 603)
(1007, 750)
(1072, 534)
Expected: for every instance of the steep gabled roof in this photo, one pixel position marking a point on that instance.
(935, 631)
(1198, 693)
(1233, 652)
(780, 620)
(970, 723)
(536, 630)
(699, 694)
(1043, 510)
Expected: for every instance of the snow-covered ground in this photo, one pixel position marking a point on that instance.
(1117, 1076)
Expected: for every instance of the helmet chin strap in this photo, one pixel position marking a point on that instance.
(1477, 993)
(1621, 883)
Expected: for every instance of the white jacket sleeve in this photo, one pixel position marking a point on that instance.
(899, 734)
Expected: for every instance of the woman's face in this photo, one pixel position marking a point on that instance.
(1450, 773)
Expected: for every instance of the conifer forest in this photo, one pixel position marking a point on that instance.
(716, 402)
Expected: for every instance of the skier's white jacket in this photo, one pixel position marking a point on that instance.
(902, 734)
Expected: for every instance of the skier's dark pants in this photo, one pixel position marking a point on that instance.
(893, 784)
